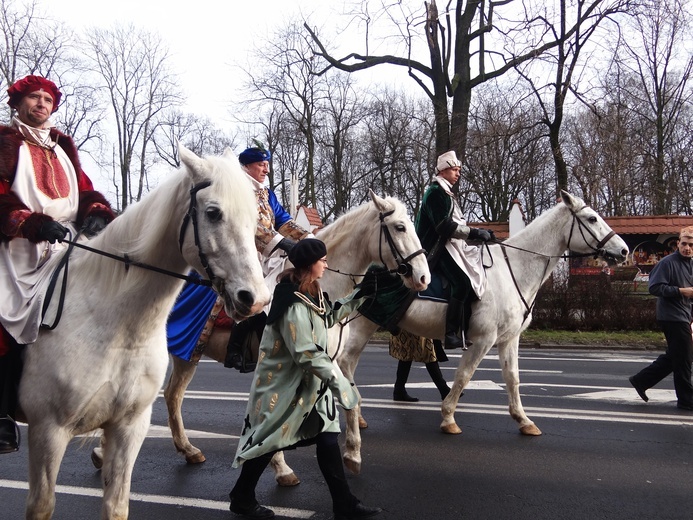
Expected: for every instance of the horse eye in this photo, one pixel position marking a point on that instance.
(213, 214)
(592, 220)
(401, 228)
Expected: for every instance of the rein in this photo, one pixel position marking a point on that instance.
(190, 215)
(598, 251)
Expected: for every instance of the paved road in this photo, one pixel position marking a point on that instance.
(604, 453)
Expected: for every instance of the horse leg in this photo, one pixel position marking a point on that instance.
(47, 444)
(181, 375)
(123, 443)
(508, 358)
(283, 474)
(360, 332)
(465, 370)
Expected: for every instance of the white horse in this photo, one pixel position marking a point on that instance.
(376, 232)
(516, 270)
(104, 363)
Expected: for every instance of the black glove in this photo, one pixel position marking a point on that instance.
(93, 225)
(52, 231)
(286, 244)
(366, 288)
(479, 234)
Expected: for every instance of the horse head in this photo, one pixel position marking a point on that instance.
(399, 247)
(590, 234)
(218, 234)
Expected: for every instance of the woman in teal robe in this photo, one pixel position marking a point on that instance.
(296, 387)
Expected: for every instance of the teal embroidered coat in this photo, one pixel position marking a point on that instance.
(296, 386)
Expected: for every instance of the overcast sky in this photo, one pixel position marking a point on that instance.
(206, 38)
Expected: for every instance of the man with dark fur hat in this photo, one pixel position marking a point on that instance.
(44, 193)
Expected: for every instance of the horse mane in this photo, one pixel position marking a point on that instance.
(342, 229)
(550, 216)
(139, 230)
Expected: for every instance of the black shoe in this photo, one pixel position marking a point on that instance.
(9, 435)
(452, 341)
(684, 406)
(402, 395)
(639, 390)
(358, 511)
(253, 511)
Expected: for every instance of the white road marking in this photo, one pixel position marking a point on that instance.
(215, 505)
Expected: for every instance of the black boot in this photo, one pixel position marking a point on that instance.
(437, 377)
(238, 353)
(11, 365)
(9, 435)
(400, 392)
(454, 321)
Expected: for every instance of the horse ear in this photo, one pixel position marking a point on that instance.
(189, 159)
(228, 154)
(379, 202)
(569, 200)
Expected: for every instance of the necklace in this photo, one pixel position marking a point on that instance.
(320, 308)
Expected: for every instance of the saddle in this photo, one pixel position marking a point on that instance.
(393, 298)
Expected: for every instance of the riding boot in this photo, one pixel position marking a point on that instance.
(10, 374)
(454, 321)
(234, 348)
(437, 377)
(400, 392)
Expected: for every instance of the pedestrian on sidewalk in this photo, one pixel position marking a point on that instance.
(671, 280)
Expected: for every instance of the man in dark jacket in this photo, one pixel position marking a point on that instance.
(671, 281)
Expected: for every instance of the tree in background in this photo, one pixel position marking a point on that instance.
(133, 71)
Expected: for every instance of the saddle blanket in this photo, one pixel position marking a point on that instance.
(188, 318)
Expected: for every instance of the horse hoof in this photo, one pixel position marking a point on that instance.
(451, 429)
(288, 480)
(196, 458)
(96, 460)
(362, 423)
(353, 466)
(530, 429)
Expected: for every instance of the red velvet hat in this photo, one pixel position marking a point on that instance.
(31, 84)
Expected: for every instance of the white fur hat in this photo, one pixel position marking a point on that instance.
(448, 160)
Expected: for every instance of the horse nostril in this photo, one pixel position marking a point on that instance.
(245, 297)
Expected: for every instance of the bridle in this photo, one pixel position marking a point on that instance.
(404, 267)
(582, 227)
(190, 215)
(598, 251)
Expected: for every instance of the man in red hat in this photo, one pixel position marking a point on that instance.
(44, 194)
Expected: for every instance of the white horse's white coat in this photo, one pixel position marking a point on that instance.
(499, 317)
(104, 364)
(353, 241)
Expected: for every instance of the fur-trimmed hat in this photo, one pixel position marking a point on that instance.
(448, 160)
(31, 84)
(306, 252)
(252, 155)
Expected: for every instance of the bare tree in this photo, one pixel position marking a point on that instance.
(288, 80)
(459, 59)
(565, 62)
(198, 134)
(31, 43)
(662, 91)
(134, 71)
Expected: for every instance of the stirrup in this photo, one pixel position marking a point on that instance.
(453, 341)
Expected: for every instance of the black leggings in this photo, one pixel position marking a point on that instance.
(329, 460)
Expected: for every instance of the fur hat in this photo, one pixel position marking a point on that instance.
(252, 155)
(31, 84)
(447, 160)
(306, 252)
